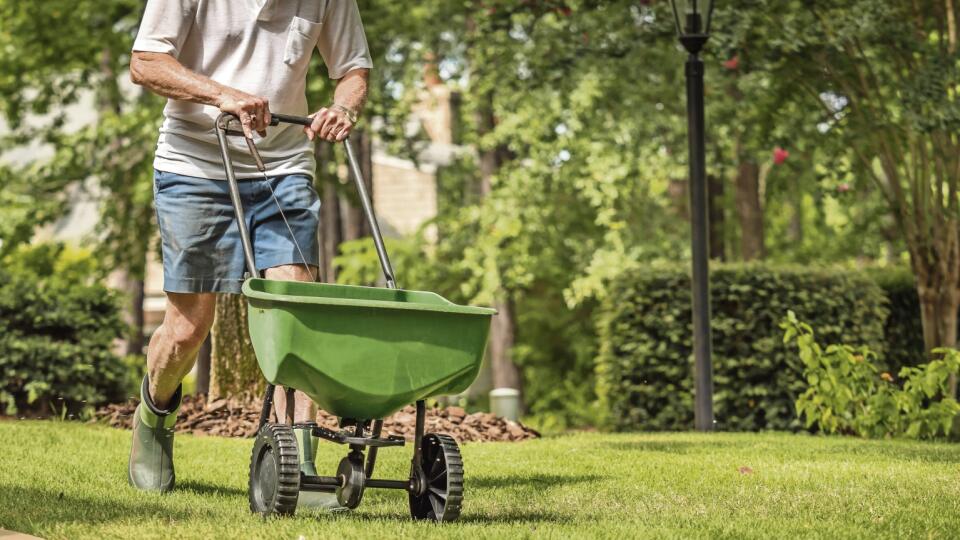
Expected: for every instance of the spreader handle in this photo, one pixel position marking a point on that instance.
(276, 118)
(222, 131)
(371, 218)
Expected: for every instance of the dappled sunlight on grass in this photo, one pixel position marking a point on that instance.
(66, 480)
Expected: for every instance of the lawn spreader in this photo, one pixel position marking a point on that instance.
(361, 353)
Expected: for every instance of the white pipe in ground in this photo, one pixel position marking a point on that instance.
(505, 403)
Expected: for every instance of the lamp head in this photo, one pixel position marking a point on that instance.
(692, 17)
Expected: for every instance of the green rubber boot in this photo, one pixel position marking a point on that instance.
(307, 449)
(151, 455)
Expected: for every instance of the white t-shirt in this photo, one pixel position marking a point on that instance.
(261, 47)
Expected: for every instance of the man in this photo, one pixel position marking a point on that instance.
(245, 57)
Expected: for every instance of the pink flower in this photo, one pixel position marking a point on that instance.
(780, 155)
(733, 63)
(844, 187)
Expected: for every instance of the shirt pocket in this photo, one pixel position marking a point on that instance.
(302, 37)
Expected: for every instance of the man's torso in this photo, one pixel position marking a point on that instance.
(262, 47)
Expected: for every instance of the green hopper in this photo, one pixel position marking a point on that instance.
(363, 352)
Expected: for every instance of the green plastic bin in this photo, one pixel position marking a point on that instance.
(363, 352)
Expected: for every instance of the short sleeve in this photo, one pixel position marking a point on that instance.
(343, 43)
(165, 26)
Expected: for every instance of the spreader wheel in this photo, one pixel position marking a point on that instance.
(438, 479)
(274, 471)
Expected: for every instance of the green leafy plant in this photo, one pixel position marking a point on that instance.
(57, 330)
(847, 393)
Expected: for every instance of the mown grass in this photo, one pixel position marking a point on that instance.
(67, 480)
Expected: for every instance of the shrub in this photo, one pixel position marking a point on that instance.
(903, 331)
(56, 333)
(645, 365)
(848, 394)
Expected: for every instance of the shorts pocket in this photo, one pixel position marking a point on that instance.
(159, 181)
(302, 37)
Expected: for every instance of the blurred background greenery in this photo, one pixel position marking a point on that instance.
(549, 137)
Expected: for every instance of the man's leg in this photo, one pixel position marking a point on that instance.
(304, 409)
(171, 355)
(173, 347)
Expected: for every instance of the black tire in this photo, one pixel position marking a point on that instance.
(274, 471)
(440, 477)
(351, 471)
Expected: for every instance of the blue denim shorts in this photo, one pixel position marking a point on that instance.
(199, 235)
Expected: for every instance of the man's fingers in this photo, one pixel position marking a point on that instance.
(266, 113)
(344, 132)
(337, 132)
(341, 130)
(317, 124)
(330, 127)
(259, 113)
(326, 123)
(263, 116)
(253, 112)
(246, 123)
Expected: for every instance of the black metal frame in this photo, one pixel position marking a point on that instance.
(356, 440)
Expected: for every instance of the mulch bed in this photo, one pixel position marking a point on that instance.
(238, 418)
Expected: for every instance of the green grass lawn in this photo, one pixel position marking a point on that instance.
(67, 480)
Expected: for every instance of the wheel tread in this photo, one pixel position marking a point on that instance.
(438, 446)
(280, 439)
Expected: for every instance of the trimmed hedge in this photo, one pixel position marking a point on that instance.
(645, 365)
(903, 331)
(56, 336)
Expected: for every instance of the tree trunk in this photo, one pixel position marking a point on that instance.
(331, 231)
(203, 367)
(502, 339)
(750, 210)
(939, 303)
(131, 289)
(717, 217)
(504, 371)
(233, 367)
(135, 345)
(795, 229)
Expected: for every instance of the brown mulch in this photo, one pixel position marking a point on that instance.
(238, 418)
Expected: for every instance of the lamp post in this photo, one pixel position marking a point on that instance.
(693, 32)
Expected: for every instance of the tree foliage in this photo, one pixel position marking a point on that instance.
(581, 103)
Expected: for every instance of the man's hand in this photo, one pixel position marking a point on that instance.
(253, 111)
(166, 76)
(330, 125)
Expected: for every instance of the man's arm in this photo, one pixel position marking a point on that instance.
(164, 75)
(335, 122)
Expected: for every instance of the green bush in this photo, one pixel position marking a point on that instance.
(56, 334)
(645, 364)
(847, 393)
(903, 331)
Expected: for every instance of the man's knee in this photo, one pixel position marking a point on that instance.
(189, 318)
(292, 272)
